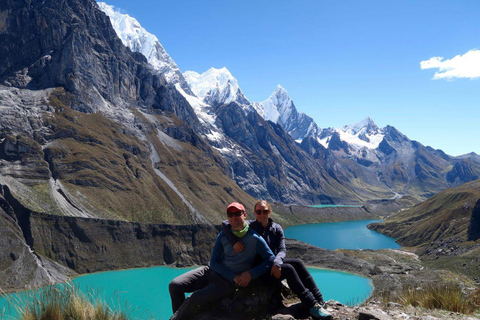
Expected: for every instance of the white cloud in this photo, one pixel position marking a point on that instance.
(461, 66)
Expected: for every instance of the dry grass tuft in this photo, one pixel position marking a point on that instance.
(63, 302)
(449, 297)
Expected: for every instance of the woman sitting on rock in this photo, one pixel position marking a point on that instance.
(298, 277)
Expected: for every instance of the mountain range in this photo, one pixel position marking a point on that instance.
(372, 162)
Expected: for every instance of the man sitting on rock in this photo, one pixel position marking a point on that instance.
(227, 270)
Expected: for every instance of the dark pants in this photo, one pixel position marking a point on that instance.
(206, 285)
(301, 282)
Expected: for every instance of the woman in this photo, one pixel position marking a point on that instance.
(294, 271)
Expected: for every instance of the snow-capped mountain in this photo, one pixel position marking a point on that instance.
(135, 37)
(216, 87)
(363, 134)
(279, 108)
(350, 149)
(212, 88)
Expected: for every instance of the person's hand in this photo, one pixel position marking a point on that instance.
(276, 272)
(238, 247)
(242, 280)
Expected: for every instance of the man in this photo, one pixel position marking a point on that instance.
(227, 270)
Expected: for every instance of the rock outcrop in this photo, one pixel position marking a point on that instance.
(20, 267)
(71, 44)
(90, 245)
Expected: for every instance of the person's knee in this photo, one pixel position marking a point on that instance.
(174, 287)
(287, 270)
(296, 262)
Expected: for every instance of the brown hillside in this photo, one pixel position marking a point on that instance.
(443, 216)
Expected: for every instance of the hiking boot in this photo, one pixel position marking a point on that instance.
(319, 312)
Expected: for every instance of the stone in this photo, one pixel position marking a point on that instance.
(373, 314)
(256, 301)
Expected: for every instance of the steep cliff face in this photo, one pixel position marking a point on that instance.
(473, 233)
(71, 44)
(39, 249)
(20, 267)
(90, 245)
(271, 165)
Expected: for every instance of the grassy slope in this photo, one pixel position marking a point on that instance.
(110, 172)
(437, 230)
(442, 216)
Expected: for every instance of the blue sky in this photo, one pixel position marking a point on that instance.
(340, 61)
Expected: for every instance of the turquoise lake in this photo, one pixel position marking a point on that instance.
(335, 206)
(342, 235)
(146, 290)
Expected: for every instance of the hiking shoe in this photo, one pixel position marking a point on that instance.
(319, 312)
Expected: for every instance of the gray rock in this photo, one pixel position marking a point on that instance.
(20, 267)
(366, 314)
(90, 245)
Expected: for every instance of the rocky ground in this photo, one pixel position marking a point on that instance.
(228, 309)
(375, 310)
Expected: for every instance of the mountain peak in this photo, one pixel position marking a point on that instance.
(277, 108)
(215, 86)
(279, 88)
(219, 72)
(367, 125)
(363, 134)
(280, 94)
(138, 39)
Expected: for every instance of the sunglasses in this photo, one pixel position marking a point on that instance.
(259, 212)
(231, 214)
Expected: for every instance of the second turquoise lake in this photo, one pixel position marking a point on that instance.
(342, 235)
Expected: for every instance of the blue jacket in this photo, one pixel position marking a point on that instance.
(272, 234)
(228, 265)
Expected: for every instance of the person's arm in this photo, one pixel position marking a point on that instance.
(267, 258)
(282, 249)
(216, 260)
(237, 244)
(227, 230)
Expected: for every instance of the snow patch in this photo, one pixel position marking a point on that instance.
(202, 110)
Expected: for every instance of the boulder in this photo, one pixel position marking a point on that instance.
(253, 302)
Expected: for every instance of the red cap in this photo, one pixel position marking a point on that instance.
(235, 206)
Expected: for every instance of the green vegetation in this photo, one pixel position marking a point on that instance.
(466, 264)
(63, 303)
(449, 297)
